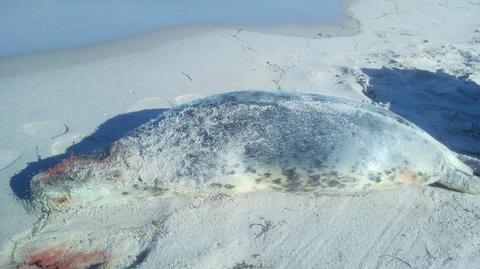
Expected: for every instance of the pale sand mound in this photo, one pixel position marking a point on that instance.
(45, 129)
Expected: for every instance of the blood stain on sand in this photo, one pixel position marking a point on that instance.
(57, 259)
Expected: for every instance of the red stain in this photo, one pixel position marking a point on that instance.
(62, 167)
(411, 176)
(57, 259)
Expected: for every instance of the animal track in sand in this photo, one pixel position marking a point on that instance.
(45, 129)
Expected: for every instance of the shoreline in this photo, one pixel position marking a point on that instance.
(51, 59)
(45, 60)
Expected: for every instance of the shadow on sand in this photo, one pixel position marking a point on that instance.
(105, 134)
(445, 106)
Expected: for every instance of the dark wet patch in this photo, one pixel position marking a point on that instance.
(267, 175)
(277, 181)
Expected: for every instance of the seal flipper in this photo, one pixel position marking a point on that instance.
(461, 181)
(472, 162)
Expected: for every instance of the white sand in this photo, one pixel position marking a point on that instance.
(403, 228)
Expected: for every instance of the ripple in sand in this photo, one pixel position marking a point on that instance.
(181, 99)
(8, 157)
(150, 103)
(45, 129)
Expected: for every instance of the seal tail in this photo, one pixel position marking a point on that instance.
(461, 181)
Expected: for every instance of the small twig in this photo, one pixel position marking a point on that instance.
(265, 227)
(39, 158)
(398, 259)
(12, 162)
(187, 75)
(64, 132)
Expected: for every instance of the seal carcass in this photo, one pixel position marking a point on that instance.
(248, 140)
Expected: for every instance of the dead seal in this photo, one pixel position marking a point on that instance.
(248, 140)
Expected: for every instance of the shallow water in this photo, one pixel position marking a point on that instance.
(36, 25)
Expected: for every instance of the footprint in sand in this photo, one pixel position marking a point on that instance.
(150, 103)
(45, 129)
(61, 144)
(8, 157)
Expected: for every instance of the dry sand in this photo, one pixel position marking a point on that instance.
(420, 58)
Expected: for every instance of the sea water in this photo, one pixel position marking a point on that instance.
(38, 25)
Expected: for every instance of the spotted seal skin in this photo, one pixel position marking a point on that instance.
(249, 140)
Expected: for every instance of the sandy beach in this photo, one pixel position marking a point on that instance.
(419, 59)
